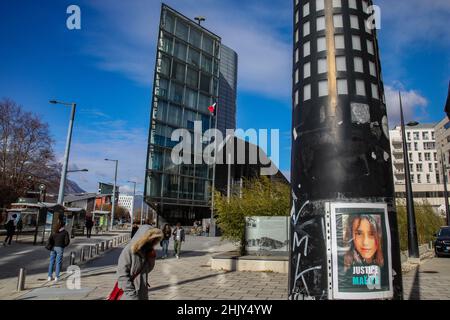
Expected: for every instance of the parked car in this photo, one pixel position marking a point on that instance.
(442, 243)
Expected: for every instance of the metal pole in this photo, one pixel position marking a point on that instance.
(413, 246)
(142, 209)
(132, 211)
(212, 224)
(62, 182)
(114, 195)
(444, 173)
(229, 179)
(21, 279)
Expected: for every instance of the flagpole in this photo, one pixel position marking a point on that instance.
(212, 225)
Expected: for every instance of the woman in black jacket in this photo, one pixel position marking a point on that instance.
(58, 240)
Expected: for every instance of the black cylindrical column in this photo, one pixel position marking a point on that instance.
(344, 238)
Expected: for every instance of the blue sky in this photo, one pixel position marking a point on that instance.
(107, 68)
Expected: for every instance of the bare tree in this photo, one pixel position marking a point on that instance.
(26, 154)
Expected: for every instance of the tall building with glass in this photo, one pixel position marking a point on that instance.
(188, 79)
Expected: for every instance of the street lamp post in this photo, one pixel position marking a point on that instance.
(113, 206)
(444, 173)
(62, 182)
(134, 195)
(413, 246)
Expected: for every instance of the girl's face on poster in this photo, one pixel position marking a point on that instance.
(364, 239)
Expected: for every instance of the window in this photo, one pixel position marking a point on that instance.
(195, 38)
(194, 57)
(176, 93)
(416, 135)
(339, 42)
(163, 88)
(296, 98)
(321, 44)
(307, 92)
(375, 93)
(352, 4)
(425, 136)
(358, 64)
(411, 167)
(180, 50)
(306, 49)
(178, 71)
(341, 64)
(306, 70)
(432, 135)
(412, 178)
(356, 43)
(208, 45)
(342, 86)
(428, 178)
(205, 82)
(438, 178)
(306, 28)
(419, 178)
(365, 6)
(296, 36)
(297, 17)
(360, 88)
(296, 56)
(320, 5)
(169, 22)
(370, 47)
(204, 102)
(435, 156)
(430, 165)
(416, 146)
(167, 44)
(207, 64)
(323, 88)
(322, 66)
(182, 30)
(337, 20)
(320, 23)
(165, 66)
(354, 22)
(192, 78)
(408, 135)
(337, 3)
(420, 156)
(411, 157)
(306, 10)
(408, 145)
(372, 69)
(191, 98)
(419, 167)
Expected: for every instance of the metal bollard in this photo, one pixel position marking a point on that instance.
(102, 246)
(82, 254)
(21, 279)
(90, 252)
(72, 259)
(97, 249)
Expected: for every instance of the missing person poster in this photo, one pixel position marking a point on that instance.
(361, 251)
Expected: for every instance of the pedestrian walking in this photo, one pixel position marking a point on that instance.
(10, 227)
(89, 224)
(167, 232)
(134, 229)
(136, 261)
(19, 227)
(178, 237)
(57, 242)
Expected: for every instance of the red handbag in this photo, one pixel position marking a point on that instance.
(116, 292)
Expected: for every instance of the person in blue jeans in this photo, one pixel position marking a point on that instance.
(57, 242)
(167, 232)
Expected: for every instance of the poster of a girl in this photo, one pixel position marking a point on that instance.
(364, 235)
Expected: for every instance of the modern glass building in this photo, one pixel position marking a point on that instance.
(188, 78)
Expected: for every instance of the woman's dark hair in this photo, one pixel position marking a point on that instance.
(166, 226)
(352, 256)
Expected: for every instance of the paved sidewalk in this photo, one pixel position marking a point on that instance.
(35, 259)
(192, 278)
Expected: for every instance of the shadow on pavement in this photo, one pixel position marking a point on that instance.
(415, 289)
(187, 281)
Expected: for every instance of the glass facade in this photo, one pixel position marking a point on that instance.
(186, 82)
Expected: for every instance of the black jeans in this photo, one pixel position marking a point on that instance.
(9, 237)
(88, 232)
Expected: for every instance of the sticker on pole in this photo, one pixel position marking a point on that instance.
(361, 251)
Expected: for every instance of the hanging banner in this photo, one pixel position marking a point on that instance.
(361, 251)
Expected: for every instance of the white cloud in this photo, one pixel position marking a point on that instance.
(126, 37)
(414, 104)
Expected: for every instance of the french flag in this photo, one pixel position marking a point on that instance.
(212, 109)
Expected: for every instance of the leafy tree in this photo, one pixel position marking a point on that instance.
(427, 223)
(258, 197)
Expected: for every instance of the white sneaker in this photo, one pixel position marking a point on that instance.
(178, 257)
(49, 279)
(56, 279)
